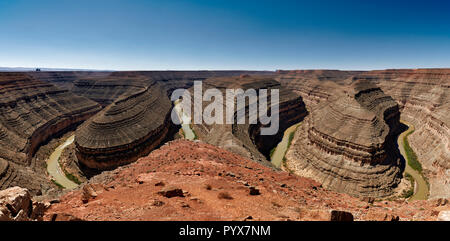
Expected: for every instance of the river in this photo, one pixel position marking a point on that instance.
(185, 122)
(53, 168)
(280, 151)
(421, 188)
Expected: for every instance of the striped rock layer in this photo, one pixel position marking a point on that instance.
(348, 143)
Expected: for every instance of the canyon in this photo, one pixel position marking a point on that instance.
(343, 153)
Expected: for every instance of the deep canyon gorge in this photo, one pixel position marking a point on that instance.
(344, 154)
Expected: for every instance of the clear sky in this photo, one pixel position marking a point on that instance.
(226, 34)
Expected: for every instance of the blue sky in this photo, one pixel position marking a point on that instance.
(227, 34)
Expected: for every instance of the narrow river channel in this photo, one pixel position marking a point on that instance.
(185, 122)
(421, 187)
(280, 151)
(53, 168)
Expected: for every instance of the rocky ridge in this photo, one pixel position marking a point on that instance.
(348, 143)
(32, 112)
(186, 180)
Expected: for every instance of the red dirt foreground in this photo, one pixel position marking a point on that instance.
(186, 180)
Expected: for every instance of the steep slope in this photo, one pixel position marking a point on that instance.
(130, 127)
(32, 112)
(313, 85)
(65, 79)
(186, 180)
(424, 99)
(245, 139)
(348, 143)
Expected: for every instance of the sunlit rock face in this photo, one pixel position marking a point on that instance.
(136, 118)
(348, 142)
(424, 99)
(31, 113)
(246, 139)
(130, 127)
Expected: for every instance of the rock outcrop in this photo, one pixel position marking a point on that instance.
(422, 95)
(348, 143)
(32, 112)
(213, 184)
(127, 129)
(65, 79)
(16, 205)
(245, 139)
(314, 85)
(424, 99)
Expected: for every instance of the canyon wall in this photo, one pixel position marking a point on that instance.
(245, 139)
(65, 79)
(130, 127)
(136, 118)
(424, 99)
(348, 143)
(32, 112)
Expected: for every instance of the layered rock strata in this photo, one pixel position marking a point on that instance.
(314, 85)
(127, 129)
(348, 143)
(206, 174)
(65, 79)
(32, 112)
(424, 99)
(245, 139)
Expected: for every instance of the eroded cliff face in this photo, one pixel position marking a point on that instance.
(245, 139)
(127, 129)
(314, 85)
(31, 112)
(65, 79)
(348, 143)
(136, 118)
(185, 180)
(424, 99)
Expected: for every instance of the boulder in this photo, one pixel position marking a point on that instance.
(444, 216)
(15, 204)
(171, 191)
(341, 216)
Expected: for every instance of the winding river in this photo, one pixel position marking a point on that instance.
(185, 122)
(420, 188)
(53, 168)
(280, 151)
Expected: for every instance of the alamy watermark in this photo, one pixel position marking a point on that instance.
(213, 113)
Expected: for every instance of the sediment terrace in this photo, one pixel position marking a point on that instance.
(348, 143)
(32, 112)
